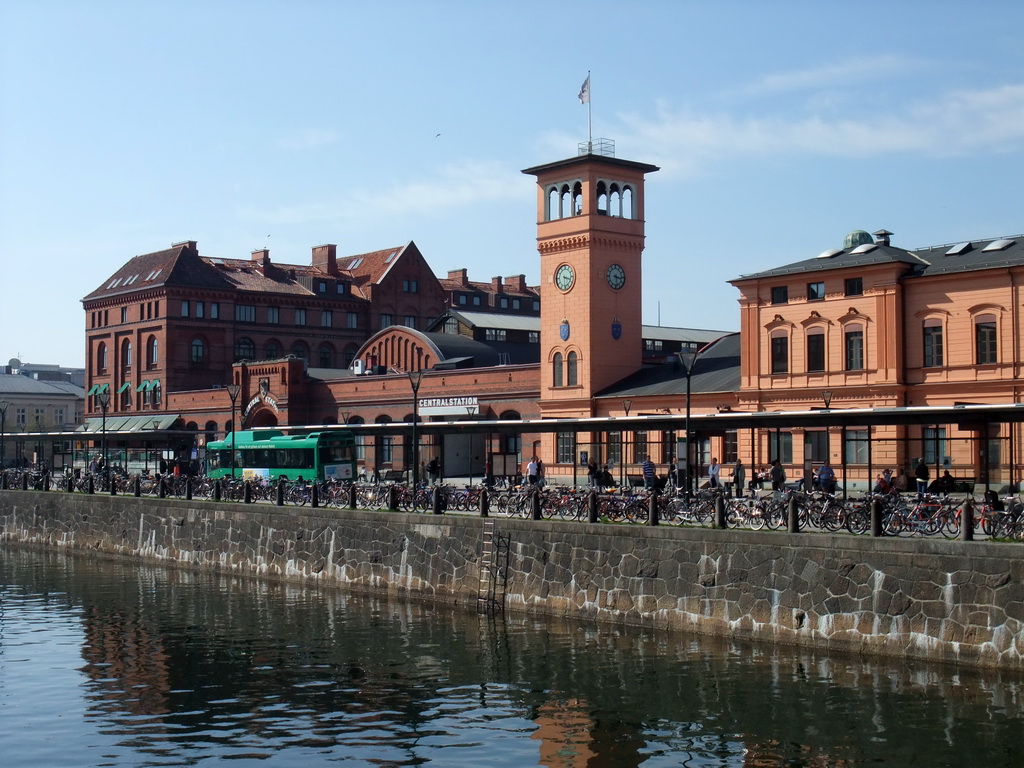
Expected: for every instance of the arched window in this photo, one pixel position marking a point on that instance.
(779, 352)
(986, 349)
(934, 352)
(153, 352)
(126, 354)
(577, 199)
(570, 370)
(299, 349)
(556, 370)
(101, 358)
(815, 349)
(350, 354)
(244, 349)
(853, 343)
(628, 211)
(326, 356)
(271, 351)
(198, 355)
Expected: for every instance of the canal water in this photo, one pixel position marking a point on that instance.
(106, 663)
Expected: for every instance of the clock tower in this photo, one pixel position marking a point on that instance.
(590, 235)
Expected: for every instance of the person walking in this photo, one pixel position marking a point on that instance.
(739, 478)
(922, 475)
(778, 477)
(647, 467)
(826, 478)
(531, 472)
(714, 470)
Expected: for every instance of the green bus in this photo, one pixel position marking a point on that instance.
(270, 454)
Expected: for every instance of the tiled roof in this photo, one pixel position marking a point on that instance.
(971, 255)
(247, 275)
(717, 369)
(507, 289)
(368, 268)
(14, 384)
(860, 256)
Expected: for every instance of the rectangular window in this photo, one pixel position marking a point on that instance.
(780, 354)
(815, 291)
(536, 306)
(462, 298)
(495, 334)
(855, 449)
(935, 448)
(565, 447)
(124, 314)
(353, 320)
(476, 301)
(410, 321)
(385, 449)
(854, 286)
(185, 309)
(21, 416)
(780, 446)
(515, 304)
(985, 341)
(214, 310)
(410, 286)
(503, 302)
(245, 313)
(613, 448)
(933, 355)
(342, 288)
(300, 317)
(156, 309)
(816, 446)
(780, 294)
(639, 447)
(274, 315)
(854, 350)
(533, 337)
(653, 345)
(200, 309)
(326, 318)
(321, 286)
(386, 319)
(816, 352)
(730, 447)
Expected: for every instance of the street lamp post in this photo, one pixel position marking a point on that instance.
(687, 357)
(104, 398)
(471, 411)
(415, 379)
(626, 405)
(3, 430)
(233, 390)
(826, 397)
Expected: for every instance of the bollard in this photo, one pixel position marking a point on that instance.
(161, 487)
(652, 507)
(3, 480)
(314, 496)
(246, 492)
(793, 515)
(46, 481)
(535, 505)
(71, 483)
(967, 520)
(352, 496)
(216, 489)
(592, 507)
(113, 484)
(91, 486)
(436, 501)
(876, 518)
(24, 481)
(280, 492)
(138, 487)
(485, 503)
(188, 489)
(720, 519)
(393, 498)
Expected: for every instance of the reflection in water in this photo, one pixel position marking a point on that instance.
(170, 667)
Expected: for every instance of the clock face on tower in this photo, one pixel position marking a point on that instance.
(616, 276)
(564, 277)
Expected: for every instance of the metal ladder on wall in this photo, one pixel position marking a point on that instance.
(494, 559)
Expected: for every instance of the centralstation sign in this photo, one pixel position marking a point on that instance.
(449, 406)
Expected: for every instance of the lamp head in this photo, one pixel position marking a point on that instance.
(104, 398)
(687, 357)
(415, 377)
(233, 390)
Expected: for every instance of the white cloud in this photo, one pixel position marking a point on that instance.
(840, 74)
(956, 123)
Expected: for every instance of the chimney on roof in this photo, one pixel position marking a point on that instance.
(518, 283)
(458, 275)
(496, 285)
(262, 257)
(325, 258)
(882, 236)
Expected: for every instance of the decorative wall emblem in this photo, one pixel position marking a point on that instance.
(264, 387)
(616, 329)
(563, 330)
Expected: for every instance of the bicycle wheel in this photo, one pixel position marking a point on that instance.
(857, 521)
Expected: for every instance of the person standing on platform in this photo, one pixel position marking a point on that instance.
(714, 470)
(647, 467)
(739, 477)
(922, 475)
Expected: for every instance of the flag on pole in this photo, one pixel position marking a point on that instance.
(585, 91)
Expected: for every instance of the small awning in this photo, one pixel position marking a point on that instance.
(154, 384)
(123, 387)
(94, 389)
(143, 386)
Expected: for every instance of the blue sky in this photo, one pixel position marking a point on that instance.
(778, 126)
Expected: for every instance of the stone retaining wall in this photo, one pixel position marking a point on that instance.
(951, 600)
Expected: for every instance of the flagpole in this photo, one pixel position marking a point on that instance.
(590, 117)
